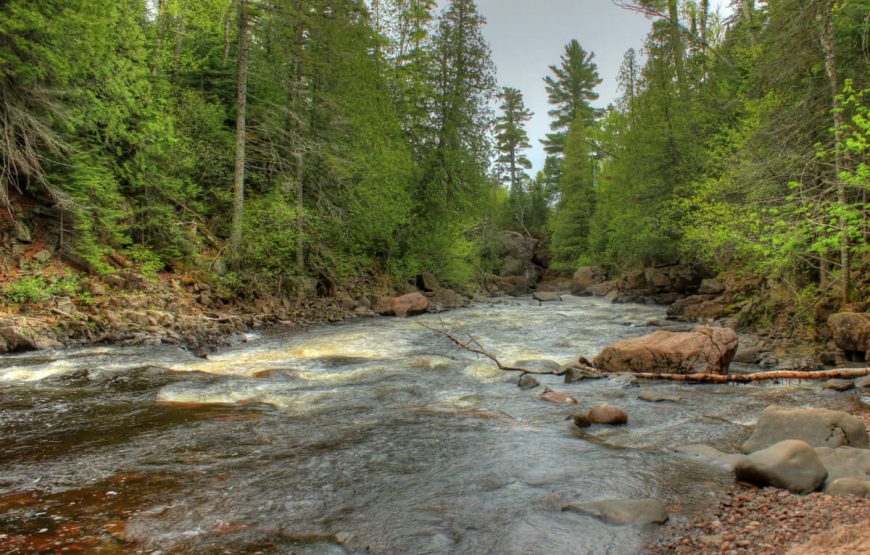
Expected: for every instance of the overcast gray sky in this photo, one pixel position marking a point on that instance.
(527, 36)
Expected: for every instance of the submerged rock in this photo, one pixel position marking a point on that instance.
(653, 397)
(791, 464)
(605, 413)
(712, 455)
(557, 397)
(622, 511)
(539, 364)
(818, 427)
(704, 350)
(574, 374)
(528, 382)
(546, 296)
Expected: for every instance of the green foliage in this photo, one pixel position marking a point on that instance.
(38, 289)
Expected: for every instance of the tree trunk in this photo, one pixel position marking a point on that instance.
(677, 45)
(827, 40)
(242, 101)
(300, 243)
(161, 13)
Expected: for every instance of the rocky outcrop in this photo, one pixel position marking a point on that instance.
(587, 276)
(401, 307)
(790, 464)
(622, 511)
(605, 413)
(849, 487)
(851, 333)
(817, 427)
(705, 350)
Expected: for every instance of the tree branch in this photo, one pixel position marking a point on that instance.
(474, 346)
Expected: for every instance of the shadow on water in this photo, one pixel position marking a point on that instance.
(376, 436)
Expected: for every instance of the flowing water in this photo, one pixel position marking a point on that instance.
(375, 436)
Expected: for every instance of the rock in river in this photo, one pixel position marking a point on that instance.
(546, 297)
(791, 464)
(402, 307)
(605, 413)
(622, 511)
(557, 397)
(527, 381)
(818, 427)
(704, 350)
(839, 385)
(653, 397)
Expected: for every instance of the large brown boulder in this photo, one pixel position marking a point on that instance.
(851, 332)
(818, 427)
(704, 350)
(587, 276)
(402, 307)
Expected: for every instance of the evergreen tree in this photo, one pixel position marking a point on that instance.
(511, 139)
(571, 90)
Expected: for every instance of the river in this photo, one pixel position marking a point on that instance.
(372, 436)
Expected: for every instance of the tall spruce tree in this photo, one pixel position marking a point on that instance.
(511, 139)
(571, 89)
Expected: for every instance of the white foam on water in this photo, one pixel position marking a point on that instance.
(36, 373)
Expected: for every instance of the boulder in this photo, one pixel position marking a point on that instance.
(849, 487)
(711, 287)
(587, 276)
(704, 350)
(42, 256)
(15, 339)
(839, 385)
(527, 381)
(546, 297)
(623, 379)
(845, 462)
(605, 413)
(851, 333)
(622, 511)
(448, 298)
(428, 282)
(791, 464)
(402, 307)
(598, 290)
(818, 427)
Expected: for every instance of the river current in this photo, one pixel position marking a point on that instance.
(372, 436)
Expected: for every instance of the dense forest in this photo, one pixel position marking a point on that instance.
(269, 140)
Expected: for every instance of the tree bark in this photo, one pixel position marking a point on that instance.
(300, 243)
(827, 40)
(242, 101)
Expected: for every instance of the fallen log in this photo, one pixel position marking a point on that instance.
(757, 377)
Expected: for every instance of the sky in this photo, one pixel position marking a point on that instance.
(527, 36)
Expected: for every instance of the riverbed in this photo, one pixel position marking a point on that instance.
(372, 436)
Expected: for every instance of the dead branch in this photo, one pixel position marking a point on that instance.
(474, 346)
(758, 377)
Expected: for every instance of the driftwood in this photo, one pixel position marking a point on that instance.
(474, 346)
(758, 377)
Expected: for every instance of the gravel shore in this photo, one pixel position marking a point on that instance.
(749, 520)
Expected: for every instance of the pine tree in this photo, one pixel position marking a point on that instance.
(571, 90)
(511, 139)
